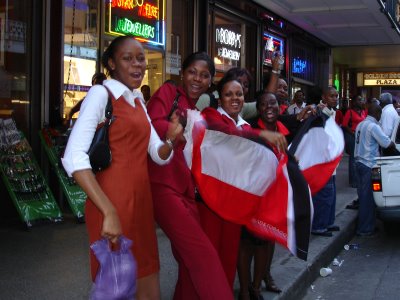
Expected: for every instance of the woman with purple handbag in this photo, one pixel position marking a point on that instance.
(119, 197)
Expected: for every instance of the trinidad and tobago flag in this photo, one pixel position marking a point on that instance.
(246, 183)
(318, 147)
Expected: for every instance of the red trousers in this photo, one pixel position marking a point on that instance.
(201, 275)
(225, 236)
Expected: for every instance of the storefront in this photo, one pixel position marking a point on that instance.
(232, 36)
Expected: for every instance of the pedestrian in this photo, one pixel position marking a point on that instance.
(325, 200)
(389, 114)
(119, 197)
(298, 103)
(369, 136)
(351, 119)
(145, 89)
(97, 78)
(200, 274)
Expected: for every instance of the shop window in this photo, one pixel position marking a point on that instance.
(80, 50)
(15, 37)
(232, 45)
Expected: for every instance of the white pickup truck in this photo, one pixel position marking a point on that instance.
(386, 186)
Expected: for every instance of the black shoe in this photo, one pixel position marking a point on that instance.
(270, 285)
(368, 234)
(354, 205)
(334, 228)
(255, 294)
(325, 233)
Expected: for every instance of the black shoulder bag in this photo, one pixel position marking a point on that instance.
(99, 151)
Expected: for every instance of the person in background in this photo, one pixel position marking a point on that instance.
(200, 272)
(389, 114)
(145, 89)
(119, 197)
(282, 96)
(369, 136)
(97, 78)
(351, 119)
(298, 103)
(325, 200)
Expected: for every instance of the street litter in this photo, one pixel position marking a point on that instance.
(351, 246)
(335, 262)
(325, 272)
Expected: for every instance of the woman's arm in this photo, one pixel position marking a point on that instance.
(111, 228)
(273, 81)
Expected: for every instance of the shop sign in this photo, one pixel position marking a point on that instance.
(299, 65)
(388, 78)
(228, 43)
(143, 19)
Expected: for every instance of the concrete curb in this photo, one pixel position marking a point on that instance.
(321, 253)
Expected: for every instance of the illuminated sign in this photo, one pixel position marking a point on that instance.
(230, 43)
(143, 19)
(299, 65)
(388, 78)
(272, 44)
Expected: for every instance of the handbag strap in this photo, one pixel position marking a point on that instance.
(174, 104)
(109, 109)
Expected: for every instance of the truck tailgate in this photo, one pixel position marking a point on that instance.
(390, 171)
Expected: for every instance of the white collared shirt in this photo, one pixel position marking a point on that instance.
(388, 119)
(91, 114)
(240, 121)
(294, 109)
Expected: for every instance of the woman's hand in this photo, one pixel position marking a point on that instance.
(306, 112)
(275, 138)
(111, 226)
(175, 128)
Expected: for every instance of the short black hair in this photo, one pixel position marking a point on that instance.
(238, 72)
(223, 82)
(196, 56)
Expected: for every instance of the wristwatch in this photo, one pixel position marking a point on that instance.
(169, 143)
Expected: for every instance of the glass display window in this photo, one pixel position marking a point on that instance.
(80, 50)
(15, 49)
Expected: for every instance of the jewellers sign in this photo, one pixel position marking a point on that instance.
(228, 43)
(143, 19)
(388, 78)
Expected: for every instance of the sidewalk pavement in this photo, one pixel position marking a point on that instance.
(51, 261)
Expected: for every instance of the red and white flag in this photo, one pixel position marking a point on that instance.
(245, 183)
(318, 147)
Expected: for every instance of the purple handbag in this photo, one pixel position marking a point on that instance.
(116, 278)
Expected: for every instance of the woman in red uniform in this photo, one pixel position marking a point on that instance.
(119, 197)
(201, 275)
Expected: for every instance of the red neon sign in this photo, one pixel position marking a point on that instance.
(148, 11)
(126, 4)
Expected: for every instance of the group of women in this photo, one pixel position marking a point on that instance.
(135, 191)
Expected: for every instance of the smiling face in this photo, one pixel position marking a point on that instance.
(282, 91)
(196, 79)
(128, 63)
(232, 98)
(268, 108)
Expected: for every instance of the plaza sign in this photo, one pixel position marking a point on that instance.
(143, 19)
(377, 79)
